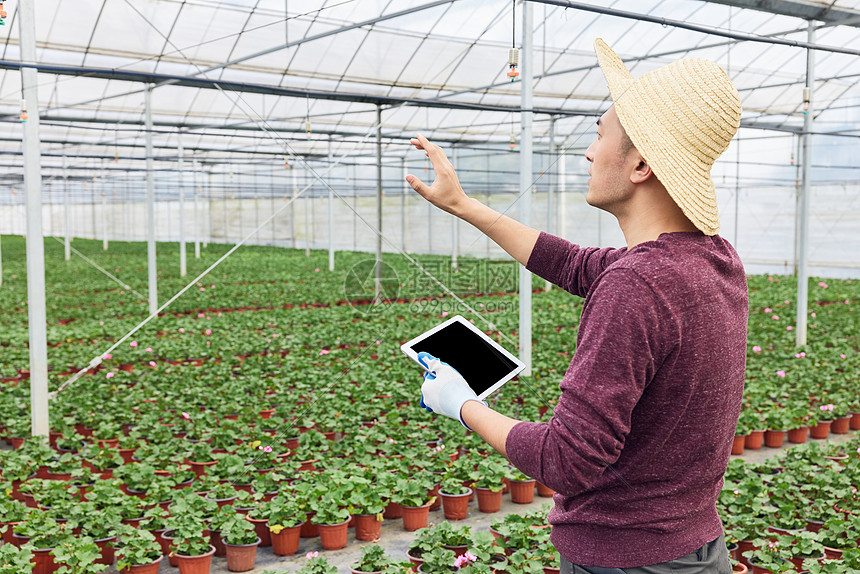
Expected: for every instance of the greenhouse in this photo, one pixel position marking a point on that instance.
(222, 264)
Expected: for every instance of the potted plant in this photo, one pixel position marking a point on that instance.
(138, 553)
(78, 555)
(438, 561)
(522, 487)
(455, 498)
(316, 565)
(488, 483)
(14, 560)
(191, 547)
(285, 522)
(241, 541)
(366, 505)
(374, 560)
(413, 495)
(333, 521)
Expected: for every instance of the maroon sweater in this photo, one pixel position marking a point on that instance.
(641, 436)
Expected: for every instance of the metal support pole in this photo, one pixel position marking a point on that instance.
(195, 168)
(151, 264)
(525, 329)
(67, 225)
(294, 172)
(183, 268)
(330, 210)
(737, 188)
(550, 191)
(803, 270)
(455, 229)
(105, 218)
(403, 207)
(1, 260)
(208, 211)
(562, 190)
(307, 222)
(36, 314)
(378, 282)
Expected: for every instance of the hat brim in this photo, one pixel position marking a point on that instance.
(686, 178)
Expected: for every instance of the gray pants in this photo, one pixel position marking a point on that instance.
(712, 558)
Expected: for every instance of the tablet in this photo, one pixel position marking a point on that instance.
(484, 364)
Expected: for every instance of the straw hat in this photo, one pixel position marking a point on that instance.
(680, 117)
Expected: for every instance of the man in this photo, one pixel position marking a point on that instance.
(642, 433)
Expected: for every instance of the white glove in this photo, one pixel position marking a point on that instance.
(444, 390)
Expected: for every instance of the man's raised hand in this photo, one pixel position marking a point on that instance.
(445, 192)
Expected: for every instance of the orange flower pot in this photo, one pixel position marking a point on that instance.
(286, 542)
(415, 517)
(241, 557)
(143, 568)
(738, 444)
(334, 536)
(195, 564)
(367, 527)
(488, 501)
(523, 491)
(821, 430)
(455, 506)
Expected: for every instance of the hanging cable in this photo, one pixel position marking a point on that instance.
(513, 53)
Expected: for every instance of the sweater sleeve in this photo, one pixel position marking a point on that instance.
(571, 267)
(619, 350)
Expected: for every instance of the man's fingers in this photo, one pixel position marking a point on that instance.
(417, 184)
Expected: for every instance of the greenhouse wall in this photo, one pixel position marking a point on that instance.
(764, 236)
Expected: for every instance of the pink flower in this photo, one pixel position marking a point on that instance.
(823, 285)
(133, 344)
(756, 349)
(148, 349)
(787, 302)
(208, 331)
(775, 317)
(109, 375)
(312, 555)
(767, 309)
(107, 356)
(181, 329)
(101, 322)
(208, 343)
(203, 288)
(799, 355)
(813, 315)
(465, 559)
(275, 335)
(219, 314)
(789, 328)
(444, 313)
(780, 373)
(267, 449)
(827, 408)
(200, 315)
(324, 352)
(378, 342)
(185, 415)
(317, 270)
(847, 302)
(152, 364)
(842, 355)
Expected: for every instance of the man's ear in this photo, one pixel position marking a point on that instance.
(642, 171)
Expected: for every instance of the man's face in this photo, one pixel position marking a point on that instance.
(611, 158)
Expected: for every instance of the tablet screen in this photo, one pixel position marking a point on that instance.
(480, 364)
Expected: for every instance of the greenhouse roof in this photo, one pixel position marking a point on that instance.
(251, 80)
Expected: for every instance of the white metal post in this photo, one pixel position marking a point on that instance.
(182, 261)
(103, 187)
(403, 207)
(151, 264)
(195, 168)
(550, 190)
(1, 260)
(562, 189)
(295, 178)
(67, 205)
(36, 313)
(378, 282)
(525, 330)
(806, 191)
(455, 229)
(330, 211)
(306, 202)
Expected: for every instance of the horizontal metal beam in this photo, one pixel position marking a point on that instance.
(711, 30)
(244, 87)
(805, 9)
